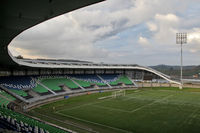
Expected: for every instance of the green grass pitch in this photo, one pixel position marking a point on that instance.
(148, 110)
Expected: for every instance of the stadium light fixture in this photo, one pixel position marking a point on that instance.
(181, 38)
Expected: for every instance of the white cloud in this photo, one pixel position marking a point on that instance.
(193, 50)
(194, 36)
(143, 41)
(168, 18)
(75, 34)
(193, 41)
(164, 28)
(152, 26)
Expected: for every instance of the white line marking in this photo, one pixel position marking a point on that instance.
(129, 98)
(193, 92)
(67, 122)
(119, 129)
(159, 100)
(83, 105)
(121, 110)
(109, 108)
(190, 117)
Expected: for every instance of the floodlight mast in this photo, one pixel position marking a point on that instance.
(181, 38)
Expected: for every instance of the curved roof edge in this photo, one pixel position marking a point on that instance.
(18, 16)
(40, 64)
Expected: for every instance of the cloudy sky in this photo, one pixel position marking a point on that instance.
(118, 31)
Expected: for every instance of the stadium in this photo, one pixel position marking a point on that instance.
(66, 96)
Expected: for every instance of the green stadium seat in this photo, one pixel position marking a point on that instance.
(82, 83)
(4, 101)
(40, 89)
(31, 122)
(71, 84)
(19, 92)
(54, 83)
(122, 79)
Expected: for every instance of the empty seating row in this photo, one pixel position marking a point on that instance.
(83, 83)
(109, 77)
(124, 79)
(17, 85)
(22, 123)
(121, 79)
(5, 98)
(42, 84)
(55, 83)
(39, 89)
(17, 82)
(90, 78)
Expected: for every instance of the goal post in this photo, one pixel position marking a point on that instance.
(118, 93)
(114, 94)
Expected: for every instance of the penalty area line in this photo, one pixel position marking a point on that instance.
(83, 105)
(111, 109)
(159, 100)
(83, 120)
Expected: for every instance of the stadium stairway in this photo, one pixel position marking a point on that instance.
(88, 80)
(114, 80)
(121, 79)
(46, 87)
(33, 93)
(67, 89)
(18, 85)
(132, 81)
(77, 84)
(6, 99)
(83, 83)
(14, 94)
(56, 83)
(104, 81)
(71, 85)
(39, 89)
(49, 86)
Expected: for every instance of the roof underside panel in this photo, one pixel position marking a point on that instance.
(19, 15)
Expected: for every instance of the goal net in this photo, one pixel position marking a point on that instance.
(118, 93)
